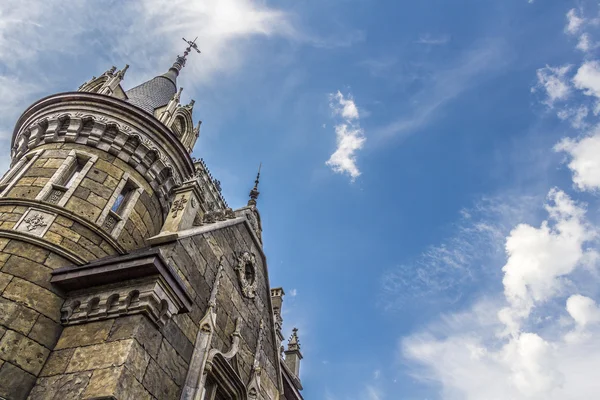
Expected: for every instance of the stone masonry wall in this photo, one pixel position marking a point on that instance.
(29, 304)
(29, 314)
(131, 358)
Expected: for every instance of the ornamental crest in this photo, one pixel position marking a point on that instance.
(246, 271)
(35, 221)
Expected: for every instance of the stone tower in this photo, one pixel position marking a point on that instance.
(124, 274)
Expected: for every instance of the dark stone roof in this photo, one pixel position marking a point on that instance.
(154, 93)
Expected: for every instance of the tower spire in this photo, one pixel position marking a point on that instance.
(180, 61)
(254, 192)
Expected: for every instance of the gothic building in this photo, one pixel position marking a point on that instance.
(124, 274)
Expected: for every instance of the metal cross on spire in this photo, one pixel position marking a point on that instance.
(180, 63)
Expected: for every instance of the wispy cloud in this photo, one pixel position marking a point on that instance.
(350, 137)
(445, 272)
(431, 40)
(444, 85)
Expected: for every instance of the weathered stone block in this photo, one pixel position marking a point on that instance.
(4, 280)
(116, 383)
(57, 362)
(53, 237)
(178, 340)
(84, 334)
(29, 251)
(15, 383)
(137, 361)
(187, 326)
(85, 232)
(77, 249)
(159, 384)
(172, 363)
(28, 270)
(16, 316)
(65, 232)
(26, 192)
(96, 175)
(96, 200)
(63, 387)
(97, 188)
(83, 208)
(66, 222)
(45, 331)
(105, 355)
(140, 328)
(110, 169)
(23, 352)
(55, 261)
(35, 297)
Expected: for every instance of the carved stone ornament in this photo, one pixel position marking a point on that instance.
(178, 205)
(35, 222)
(246, 271)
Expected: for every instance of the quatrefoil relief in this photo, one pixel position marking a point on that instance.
(246, 271)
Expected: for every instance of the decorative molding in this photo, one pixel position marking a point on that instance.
(246, 272)
(131, 284)
(150, 296)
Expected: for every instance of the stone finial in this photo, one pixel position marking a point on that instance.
(254, 192)
(293, 354)
(113, 81)
(294, 343)
(121, 73)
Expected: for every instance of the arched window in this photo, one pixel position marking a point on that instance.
(178, 127)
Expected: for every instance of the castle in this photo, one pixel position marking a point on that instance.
(124, 274)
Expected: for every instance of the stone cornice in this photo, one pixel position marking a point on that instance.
(110, 103)
(140, 282)
(110, 125)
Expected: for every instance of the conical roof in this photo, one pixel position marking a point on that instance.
(154, 93)
(158, 91)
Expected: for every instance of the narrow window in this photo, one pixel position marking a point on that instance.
(115, 216)
(73, 173)
(119, 203)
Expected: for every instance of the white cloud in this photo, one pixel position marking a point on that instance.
(553, 81)
(470, 356)
(574, 22)
(538, 258)
(350, 136)
(344, 106)
(583, 310)
(584, 163)
(587, 78)
(584, 44)
(576, 116)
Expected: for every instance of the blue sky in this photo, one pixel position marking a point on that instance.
(430, 177)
